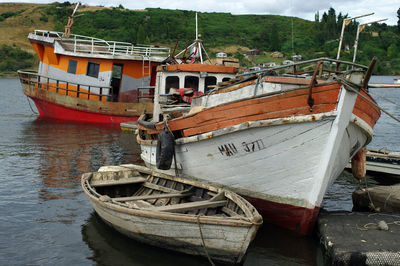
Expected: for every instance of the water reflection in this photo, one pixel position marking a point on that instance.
(66, 150)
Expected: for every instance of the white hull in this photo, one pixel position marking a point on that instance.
(288, 163)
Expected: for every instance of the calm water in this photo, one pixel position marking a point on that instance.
(45, 219)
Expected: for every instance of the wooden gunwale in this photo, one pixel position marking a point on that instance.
(252, 109)
(230, 221)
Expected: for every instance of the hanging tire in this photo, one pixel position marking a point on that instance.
(165, 150)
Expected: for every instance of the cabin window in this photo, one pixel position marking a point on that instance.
(93, 69)
(209, 83)
(192, 82)
(171, 82)
(226, 79)
(72, 66)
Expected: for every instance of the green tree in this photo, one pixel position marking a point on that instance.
(275, 42)
(141, 35)
(392, 51)
(398, 21)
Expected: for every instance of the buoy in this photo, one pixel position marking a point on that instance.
(359, 164)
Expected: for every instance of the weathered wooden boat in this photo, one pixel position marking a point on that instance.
(88, 79)
(172, 212)
(279, 141)
(382, 161)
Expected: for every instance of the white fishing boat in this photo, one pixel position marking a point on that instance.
(279, 141)
(173, 213)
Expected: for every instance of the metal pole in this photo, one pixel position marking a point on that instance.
(345, 22)
(356, 42)
(341, 39)
(360, 29)
(197, 30)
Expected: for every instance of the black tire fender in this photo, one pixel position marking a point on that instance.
(165, 150)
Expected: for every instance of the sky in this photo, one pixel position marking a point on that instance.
(305, 9)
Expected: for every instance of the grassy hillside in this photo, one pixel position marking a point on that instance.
(234, 34)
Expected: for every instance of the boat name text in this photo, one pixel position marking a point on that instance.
(248, 147)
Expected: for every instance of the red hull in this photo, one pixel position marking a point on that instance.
(298, 219)
(55, 111)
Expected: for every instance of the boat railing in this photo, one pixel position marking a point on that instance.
(84, 44)
(145, 92)
(68, 88)
(334, 66)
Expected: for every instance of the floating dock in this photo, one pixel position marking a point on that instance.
(360, 238)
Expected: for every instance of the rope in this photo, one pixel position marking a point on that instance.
(350, 86)
(203, 243)
(371, 205)
(33, 111)
(380, 96)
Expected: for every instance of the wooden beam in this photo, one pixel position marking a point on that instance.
(189, 206)
(122, 181)
(160, 188)
(154, 196)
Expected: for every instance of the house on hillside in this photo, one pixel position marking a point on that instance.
(297, 57)
(253, 52)
(268, 64)
(287, 62)
(221, 55)
(276, 55)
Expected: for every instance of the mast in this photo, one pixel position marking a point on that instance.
(67, 32)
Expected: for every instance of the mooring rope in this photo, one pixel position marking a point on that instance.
(386, 99)
(349, 85)
(202, 240)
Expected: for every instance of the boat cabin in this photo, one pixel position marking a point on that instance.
(177, 84)
(96, 69)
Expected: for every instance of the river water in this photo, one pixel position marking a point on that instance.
(45, 219)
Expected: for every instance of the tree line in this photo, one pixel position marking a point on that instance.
(289, 35)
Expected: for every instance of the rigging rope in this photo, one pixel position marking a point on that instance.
(380, 96)
(350, 86)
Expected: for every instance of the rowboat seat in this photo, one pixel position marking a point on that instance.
(121, 181)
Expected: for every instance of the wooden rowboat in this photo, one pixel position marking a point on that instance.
(172, 212)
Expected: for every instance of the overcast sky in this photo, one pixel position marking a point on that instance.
(299, 8)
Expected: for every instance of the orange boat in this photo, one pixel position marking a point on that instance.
(87, 79)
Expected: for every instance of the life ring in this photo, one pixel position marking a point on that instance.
(165, 150)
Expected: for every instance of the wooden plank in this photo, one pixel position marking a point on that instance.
(160, 188)
(190, 206)
(229, 212)
(122, 181)
(292, 100)
(154, 196)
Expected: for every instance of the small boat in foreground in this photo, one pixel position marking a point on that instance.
(172, 212)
